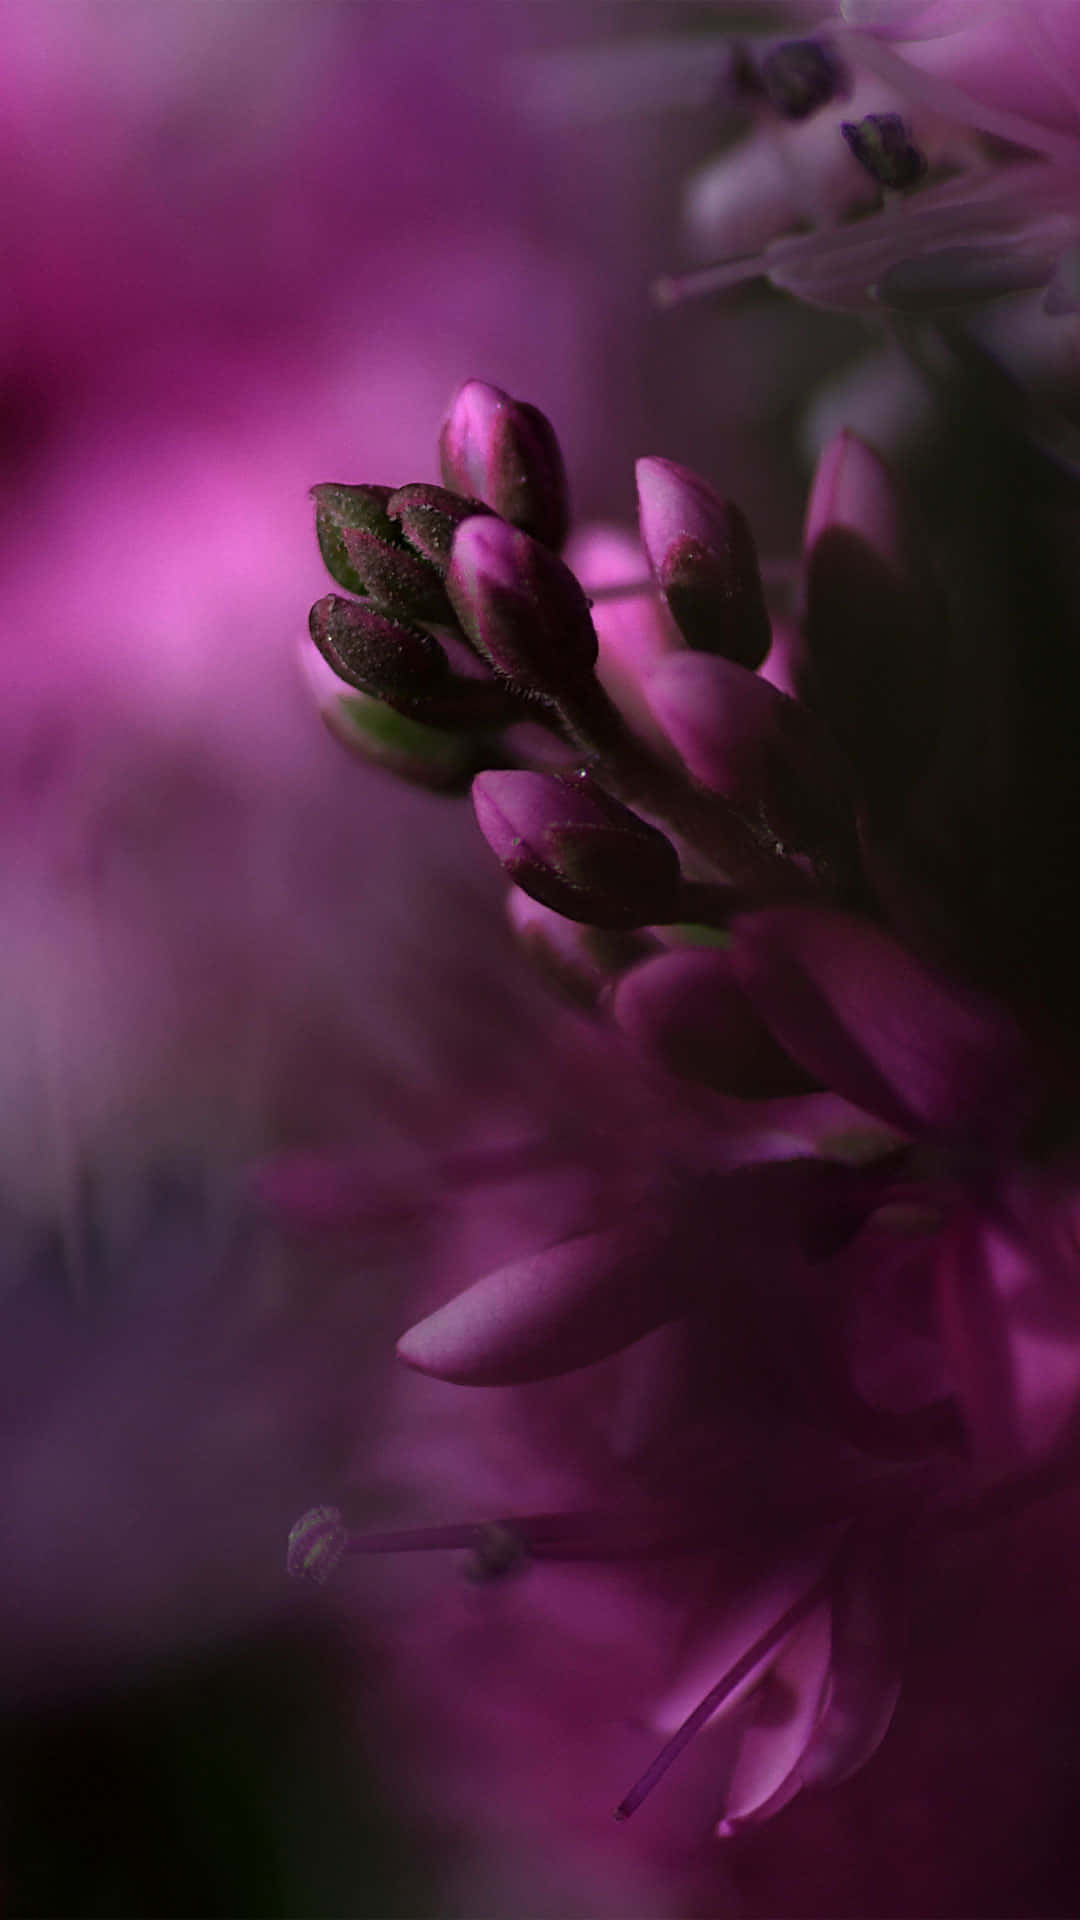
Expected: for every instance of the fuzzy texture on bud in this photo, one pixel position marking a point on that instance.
(522, 608)
(569, 845)
(505, 453)
(429, 517)
(375, 654)
(366, 551)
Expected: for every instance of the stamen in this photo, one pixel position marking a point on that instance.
(714, 1699)
(951, 102)
(645, 588)
(319, 1540)
(670, 290)
(778, 571)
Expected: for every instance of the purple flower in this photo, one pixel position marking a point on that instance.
(790, 1301)
(969, 111)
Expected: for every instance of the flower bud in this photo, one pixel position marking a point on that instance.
(702, 553)
(882, 144)
(767, 754)
(568, 844)
(317, 1545)
(366, 552)
(505, 453)
(426, 756)
(874, 657)
(800, 76)
(379, 656)
(521, 608)
(338, 507)
(429, 517)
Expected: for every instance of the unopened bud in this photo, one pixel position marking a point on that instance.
(317, 1545)
(873, 656)
(430, 516)
(768, 754)
(522, 608)
(882, 144)
(505, 453)
(702, 552)
(366, 551)
(379, 656)
(568, 844)
(800, 76)
(425, 756)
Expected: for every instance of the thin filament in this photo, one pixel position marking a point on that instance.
(716, 1696)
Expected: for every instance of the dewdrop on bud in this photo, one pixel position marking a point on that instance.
(505, 453)
(317, 1545)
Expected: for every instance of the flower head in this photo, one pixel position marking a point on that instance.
(960, 118)
(799, 1302)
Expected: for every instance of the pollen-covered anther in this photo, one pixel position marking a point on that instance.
(882, 143)
(801, 76)
(499, 1551)
(317, 1545)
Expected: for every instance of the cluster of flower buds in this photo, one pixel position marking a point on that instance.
(471, 656)
(722, 846)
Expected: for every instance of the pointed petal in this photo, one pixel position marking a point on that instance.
(1011, 1332)
(764, 752)
(688, 1012)
(867, 1649)
(875, 1025)
(553, 1311)
(767, 1774)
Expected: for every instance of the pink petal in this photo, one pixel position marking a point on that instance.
(875, 1025)
(764, 752)
(552, 1312)
(867, 1647)
(767, 1774)
(687, 1011)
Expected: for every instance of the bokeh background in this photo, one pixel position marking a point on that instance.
(246, 248)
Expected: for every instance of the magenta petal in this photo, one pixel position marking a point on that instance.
(878, 1027)
(763, 751)
(867, 1649)
(551, 1312)
(768, 1771)
(689, 1013)
(1008, 1318)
